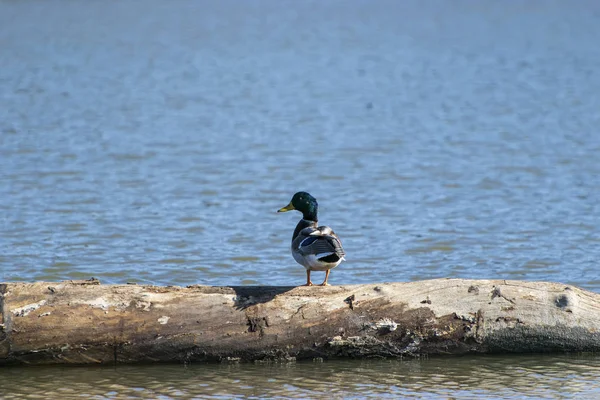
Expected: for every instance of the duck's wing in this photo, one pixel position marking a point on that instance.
(336, 243)
(321, 243)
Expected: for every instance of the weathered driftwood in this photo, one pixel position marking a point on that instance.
(85, 322)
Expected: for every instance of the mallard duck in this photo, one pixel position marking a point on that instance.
(317, 248)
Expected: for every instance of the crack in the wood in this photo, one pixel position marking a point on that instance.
(478, 324)
(257, 324)
(497, 293)
(300, 310)
(350, 301)
(473, 289)
(509, 319)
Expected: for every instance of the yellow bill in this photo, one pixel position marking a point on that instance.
(289, 207)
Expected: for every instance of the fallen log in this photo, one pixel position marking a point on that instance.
(83, 322)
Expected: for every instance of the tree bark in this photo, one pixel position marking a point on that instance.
(84, 322)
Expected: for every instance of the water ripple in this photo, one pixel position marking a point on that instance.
(133, 151)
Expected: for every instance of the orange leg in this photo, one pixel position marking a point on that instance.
(308, 282)
(326, 277)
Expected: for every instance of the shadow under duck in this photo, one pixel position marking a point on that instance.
(317, 248)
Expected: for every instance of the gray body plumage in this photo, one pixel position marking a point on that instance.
(317, 248)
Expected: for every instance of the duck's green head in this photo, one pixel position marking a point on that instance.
(304, 203)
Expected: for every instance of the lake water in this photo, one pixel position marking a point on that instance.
(463, 377)
(152, 142)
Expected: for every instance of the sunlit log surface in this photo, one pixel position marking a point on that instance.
(84, 322)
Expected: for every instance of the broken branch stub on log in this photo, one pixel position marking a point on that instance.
(82, 322)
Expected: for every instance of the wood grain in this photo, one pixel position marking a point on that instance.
(85, 322)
